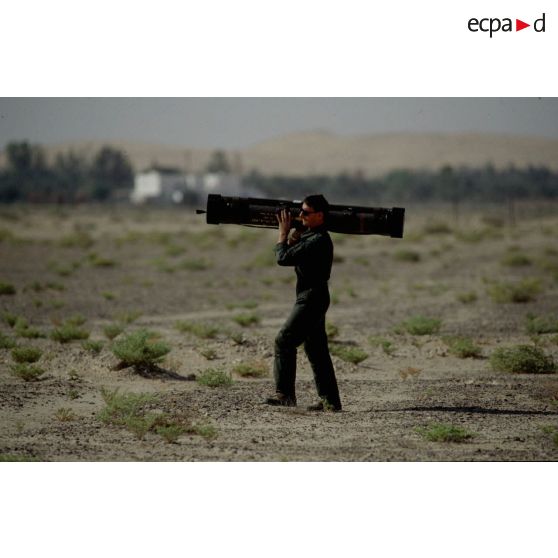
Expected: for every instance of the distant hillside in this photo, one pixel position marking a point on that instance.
(309, 153)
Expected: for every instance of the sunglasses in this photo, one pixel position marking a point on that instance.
(305, 212)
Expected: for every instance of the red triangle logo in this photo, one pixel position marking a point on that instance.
(519, 25)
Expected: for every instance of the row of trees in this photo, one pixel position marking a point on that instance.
(28, 176)
(403, 186)
(71, 177)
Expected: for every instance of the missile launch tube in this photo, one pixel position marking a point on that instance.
(259, 212)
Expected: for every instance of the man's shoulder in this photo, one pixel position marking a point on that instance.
(319, 232)
(317, 236)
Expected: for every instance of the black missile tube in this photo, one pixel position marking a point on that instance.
(346, 219)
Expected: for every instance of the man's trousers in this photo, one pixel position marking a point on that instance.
(306, 324)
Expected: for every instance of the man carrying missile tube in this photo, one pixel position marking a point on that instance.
(311, 254)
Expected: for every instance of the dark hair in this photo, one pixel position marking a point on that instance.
(318, 203)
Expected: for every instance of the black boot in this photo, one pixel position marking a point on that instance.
(323, 405)
(281, 400)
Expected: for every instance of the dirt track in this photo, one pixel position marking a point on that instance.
(170, 267)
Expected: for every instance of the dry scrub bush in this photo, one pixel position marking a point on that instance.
(355, 355)
(332, 330)
(254, 369)
(462, 347)
(385, 344)
(26, 354)
(522, 291)
(94, 347)
(522, 359)
(445, 433)
(246, 319)
(65, 414)
(23, 329)
(69, 331)
(7, 288)
(540, 325)
(214, 377)
(467, 297)
(6, 342)
(204, 331)
(516, 259)
(127, 317)
(26, 371)
(407, 256)
(140, 348)
(112, 331)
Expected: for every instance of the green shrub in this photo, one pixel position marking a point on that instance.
(194, 265)
(170, 432)
(113, 330)
(140, 424)
(516, 259)
(462, 347)
(348, 354)
(238, 337)
(523, 291)
(477, 235)
(246, 320)
(78, 239)
(99, 261)
(27, 372)
(467, 297)
(23, 329)
(63, 269)
(385, 344)
(120, 407)
(204, 331)
(254, 369)
(437, 227)
(65, 414)
(421, 325)
(205, 430)
(26, 354)
(93, 346)
(140, 348)
(9, 318)
(214, 377)
(445, 433)
(522, 359)
(539, 325)
(6, 342)
(77, 320)
(332, 330)
(69, 331)
(127, 317)
(208, 353)
(7, 289)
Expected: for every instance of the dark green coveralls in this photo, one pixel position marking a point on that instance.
(312, 257)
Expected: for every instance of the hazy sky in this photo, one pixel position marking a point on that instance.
(239, 122)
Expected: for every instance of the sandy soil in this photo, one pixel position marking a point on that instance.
(108, 264)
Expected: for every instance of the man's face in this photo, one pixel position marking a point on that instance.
(311, 218)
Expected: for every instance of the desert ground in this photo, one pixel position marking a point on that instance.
(475, 282)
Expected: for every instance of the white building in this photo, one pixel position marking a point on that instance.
(158, 185)
(170, 186)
